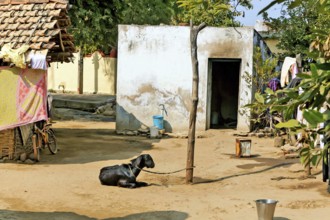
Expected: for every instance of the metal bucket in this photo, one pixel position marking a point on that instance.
(266, 208)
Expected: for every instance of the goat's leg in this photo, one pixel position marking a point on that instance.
(141, 184)
(125, 183)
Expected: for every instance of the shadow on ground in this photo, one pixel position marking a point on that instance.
(159, 215)
(90, 145)
(203, 181)
(21, 215)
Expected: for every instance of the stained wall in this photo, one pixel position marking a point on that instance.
(154, 68)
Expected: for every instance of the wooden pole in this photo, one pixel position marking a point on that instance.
(193, 111)
(81, 73)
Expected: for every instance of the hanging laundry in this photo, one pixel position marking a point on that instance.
(294, 70)
(274, 84)
(16, 56)
(288, 61)
(294, 82)
(326, 166)
(38, 61)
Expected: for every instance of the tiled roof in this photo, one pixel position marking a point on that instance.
(41, 24)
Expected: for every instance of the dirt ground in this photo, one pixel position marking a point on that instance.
(66, 186)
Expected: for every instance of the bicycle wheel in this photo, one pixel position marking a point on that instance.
(51, 141)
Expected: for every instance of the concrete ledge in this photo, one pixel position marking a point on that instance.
(83, 102)
(89, 106)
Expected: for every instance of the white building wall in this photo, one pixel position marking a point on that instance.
(154, 67)
(99, 75)
(64, 74)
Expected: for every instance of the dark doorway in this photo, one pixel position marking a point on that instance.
(225, 92)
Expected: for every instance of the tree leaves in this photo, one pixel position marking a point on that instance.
(313, 117)
(274, 2)
(289, 124)
(94, 23)
(213, 13)
(309, 22)
(259, 98)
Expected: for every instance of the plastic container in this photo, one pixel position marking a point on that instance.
(158, 121)
(266, 208)
(154, 132)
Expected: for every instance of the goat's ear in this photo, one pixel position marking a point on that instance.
(137, 160)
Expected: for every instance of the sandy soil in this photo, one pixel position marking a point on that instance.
(66, 186)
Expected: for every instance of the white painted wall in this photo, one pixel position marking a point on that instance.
(64, 74)
(99, 75)
(154, 67)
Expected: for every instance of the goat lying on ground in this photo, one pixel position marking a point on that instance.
(125, 175)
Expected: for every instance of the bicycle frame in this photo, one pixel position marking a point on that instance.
(39, 139)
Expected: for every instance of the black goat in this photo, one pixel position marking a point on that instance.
(125, 175)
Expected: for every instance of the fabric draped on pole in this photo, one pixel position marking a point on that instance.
(23, 96)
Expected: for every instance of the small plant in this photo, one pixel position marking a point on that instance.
(263, 69)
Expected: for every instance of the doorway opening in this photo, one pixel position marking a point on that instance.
(224, 76)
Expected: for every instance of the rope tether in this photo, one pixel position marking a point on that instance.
(176, 171)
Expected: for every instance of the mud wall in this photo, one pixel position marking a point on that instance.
(154, 67)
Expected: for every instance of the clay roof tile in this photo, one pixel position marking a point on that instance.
(4, 26)
(22, 39)
(13, 26)
(35, 39)
(40, 32)
(31, 13)
(28, 7)
(4, 33)
(40, 23)
(16, 7)
(49, 45)
(24, 26)
(8, 39)
(51, 5)
(33, 19)
(36, 46)
(17, 33)
(7, 14)
(4, 7)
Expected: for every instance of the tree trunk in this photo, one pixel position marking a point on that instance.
(81, 73)
(193, 111)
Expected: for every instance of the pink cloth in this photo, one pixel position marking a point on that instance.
(23, 97)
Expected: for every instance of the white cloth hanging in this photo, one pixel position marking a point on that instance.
(288, 61)
(38, 61)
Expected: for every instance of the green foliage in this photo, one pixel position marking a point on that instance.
(315, 87)
(146, 12)
(294, 28)
(263, 68)
(310, 154)
(312, 18)
(94, 23)
(293, 124)
(213, 13)
(263, 71)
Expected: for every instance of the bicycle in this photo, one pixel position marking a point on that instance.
(43, 137)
